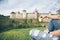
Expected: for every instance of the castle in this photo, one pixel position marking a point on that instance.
(25, 15)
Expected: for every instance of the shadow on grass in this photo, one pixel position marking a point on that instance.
(3, 29)
(6, 28)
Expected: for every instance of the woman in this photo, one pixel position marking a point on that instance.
(52, 28)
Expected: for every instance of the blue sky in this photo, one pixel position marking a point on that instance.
(7, 6)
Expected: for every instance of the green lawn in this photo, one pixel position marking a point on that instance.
(17, 34)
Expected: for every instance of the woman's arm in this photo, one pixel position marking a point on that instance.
(53, 17)
(56, 33)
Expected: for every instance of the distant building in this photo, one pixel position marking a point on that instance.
(13, 15)
(33, 15)
(23, 15)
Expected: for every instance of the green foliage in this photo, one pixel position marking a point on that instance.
(14, 23)
(17, 34)
(4, 22)
(7, 24)
(30, 20)
(23, 26)
(24, 21)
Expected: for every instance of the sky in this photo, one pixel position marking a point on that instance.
(7, 6)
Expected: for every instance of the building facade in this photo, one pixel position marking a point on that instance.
(33, 15)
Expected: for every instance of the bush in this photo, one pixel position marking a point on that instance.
(23, 26)
(24, 21)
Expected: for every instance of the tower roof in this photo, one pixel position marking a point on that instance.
(13, 13)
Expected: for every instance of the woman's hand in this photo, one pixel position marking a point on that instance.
(56, 33)
(47, 31)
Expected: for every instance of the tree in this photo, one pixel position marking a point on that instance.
(14, 23)
(4, 22)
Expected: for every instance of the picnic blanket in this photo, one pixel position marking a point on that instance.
(39, 35)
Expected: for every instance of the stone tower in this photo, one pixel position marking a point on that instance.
(13, 15)
(36, 13)
(24, 14)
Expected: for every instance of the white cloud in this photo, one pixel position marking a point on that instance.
(17, 5)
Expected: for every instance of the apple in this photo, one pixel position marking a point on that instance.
(40, 19)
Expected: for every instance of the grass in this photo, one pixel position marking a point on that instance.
(17, 34)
